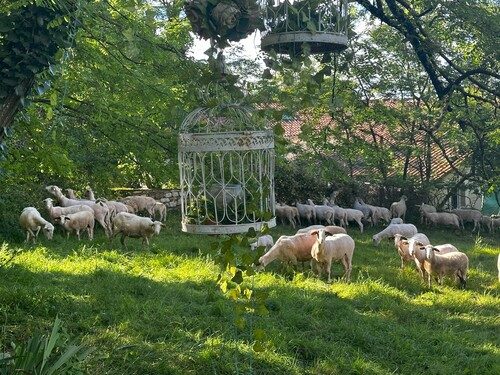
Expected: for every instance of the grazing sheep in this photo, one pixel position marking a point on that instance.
(487, 223)
(78, 221)
(407, 230)
(306, 212)
(425, 208)
(442, 218)
(398, 209)
(289, 249)
(265, 240)
(140, 203)
(130, 209)
(160, 211)
(397, 220)
(367, 211)
(324, 214)
(130, 225)
(101, 210)
(32, 222)
(405, 247)
(333, 229)
(454, 263)
(468, 216)
(55, 212)
(285, 214)
(337, 247)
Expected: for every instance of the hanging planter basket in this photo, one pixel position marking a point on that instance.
(304, 27)
(226, 164)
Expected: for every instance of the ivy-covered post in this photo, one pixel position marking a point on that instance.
(31, 34)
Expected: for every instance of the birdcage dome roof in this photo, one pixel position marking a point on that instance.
(227, 117)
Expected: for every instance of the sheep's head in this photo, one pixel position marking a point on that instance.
(63, 219)
(404, 197)
(54, 190)
(157, 225)
(429, 251)
(415, 245)
(376, 240)
(321, 234)
(48, 231)
(48, 202)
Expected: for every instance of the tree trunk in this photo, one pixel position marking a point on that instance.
(10, 106)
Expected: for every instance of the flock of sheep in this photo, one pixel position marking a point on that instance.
(326, 242)
(79, 215)
(321, 243)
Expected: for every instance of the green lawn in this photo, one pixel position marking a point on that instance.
(159, 311)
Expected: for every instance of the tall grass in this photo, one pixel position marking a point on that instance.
(159, 311)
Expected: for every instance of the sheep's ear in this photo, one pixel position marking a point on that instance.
(162, 225)
(419, 243)
(405, 242)
(328, 233)
(314, 232)
(436, 249)
(404, 238)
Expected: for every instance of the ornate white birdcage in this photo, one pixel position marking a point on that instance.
(294, 27)
(226, 164)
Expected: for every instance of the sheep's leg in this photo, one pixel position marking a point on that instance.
(429, 280)
(78, 234)
(328, 270)
(360, 226)
(347, 268)
(122, 241)
(402, 263)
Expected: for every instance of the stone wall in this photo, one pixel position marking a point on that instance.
(171, 197)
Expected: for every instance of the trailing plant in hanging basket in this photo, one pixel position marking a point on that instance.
(223, 21)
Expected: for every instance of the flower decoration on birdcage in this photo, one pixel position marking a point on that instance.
(305, 26)
(226, 164)
(223, 20)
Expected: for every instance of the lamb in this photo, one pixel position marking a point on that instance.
(101, 210)
(289, 249)
(398, 209)
(333, 229)
(454, 263)
(442, 218)
(55, 212)
(130, 225)
(78, 221)
(32, 222)
(141, 203)
(407, 230)
(405, 247)
(306, 212)
(160, 210)
(265, 240)
(425, 208)
(285, 214)
(328, 248)
(397, 220)
(324, 214)
(468, 216)
(417, 251)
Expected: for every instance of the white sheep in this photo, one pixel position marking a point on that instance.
(487, 223)
(378, 213)
(101, 210)
(130, 225)
(78, 221)
(55, 212)
(407, 230)
(367, 211)
(333, 229)
(265, 240)
(405, 247)
(398, 209)
(417, 251)
(340, 213)
(114, 207)
(140, 203)
(32, 222)
(425, 208)
(70, 193)
(442, 218)
(468, 216)
(306, 212)
(285, 214)
(89, 194)
(289, 249)
(396, 220)
(324, 213)
(453, 263)
(160, 211)
(328, 248)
